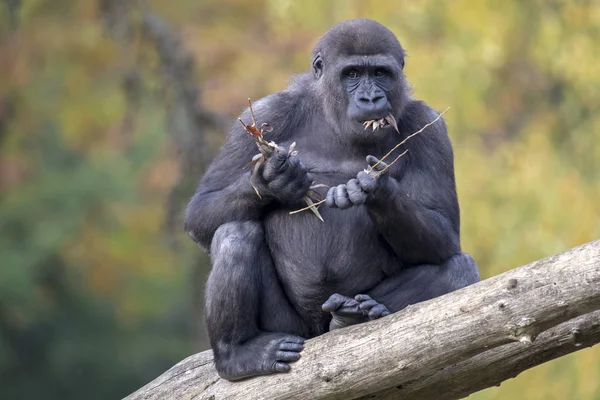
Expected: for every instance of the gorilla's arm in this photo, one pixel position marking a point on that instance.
(225, 193)
(419, 226)
(416, 207)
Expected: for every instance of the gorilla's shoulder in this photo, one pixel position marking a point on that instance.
(283, 110)
(297, 92)
(419, 114)
(434, 141)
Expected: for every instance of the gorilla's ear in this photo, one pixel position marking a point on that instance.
(317, 66)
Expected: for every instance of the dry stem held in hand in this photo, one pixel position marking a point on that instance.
(266, 149)
(401, 143)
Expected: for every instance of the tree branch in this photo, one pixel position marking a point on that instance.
(445, 348)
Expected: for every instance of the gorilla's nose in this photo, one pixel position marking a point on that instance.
(372, 101)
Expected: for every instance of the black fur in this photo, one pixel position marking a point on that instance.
(385, 243)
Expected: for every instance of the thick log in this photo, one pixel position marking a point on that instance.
(495, 366)
(444, 348)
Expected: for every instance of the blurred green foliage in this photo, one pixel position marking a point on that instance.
(96, 297)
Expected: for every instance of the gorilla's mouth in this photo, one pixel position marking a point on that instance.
(381, 123)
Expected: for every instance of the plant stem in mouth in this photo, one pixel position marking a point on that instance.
(379, 123)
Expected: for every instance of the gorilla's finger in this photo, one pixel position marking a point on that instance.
(342, 306)
(275, 164)
(366, 181)
(334, 302)
(271, 170)
(285, 346)
(281, 367)
(362, 297)
(341, 197)
(310, 177)
(366, 305)
(377, 311)
(375, 163)
(279, 183)
(355, 193)
(294, 339)
(287, 356)
(330, 306)
(293, 162)
(349, 313)
(280, 155)
(330, 198)
(349, 309)
(302, 186)
(293, 173)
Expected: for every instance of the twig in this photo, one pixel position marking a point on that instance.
(318, 203)
(266, 150)
(405, 140)
(390, 164)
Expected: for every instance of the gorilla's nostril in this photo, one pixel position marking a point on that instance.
(368, 100)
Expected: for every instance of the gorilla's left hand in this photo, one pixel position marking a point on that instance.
(358, 190)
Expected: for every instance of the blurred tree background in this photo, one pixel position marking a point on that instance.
(111, 109)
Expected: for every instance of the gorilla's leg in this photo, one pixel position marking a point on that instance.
(425, 282)
(410, 286)
(244, 300)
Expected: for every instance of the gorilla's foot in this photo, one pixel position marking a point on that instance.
(265, 354)
(370, 307)
(345, 311)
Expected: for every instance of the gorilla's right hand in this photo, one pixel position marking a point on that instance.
(283, 177)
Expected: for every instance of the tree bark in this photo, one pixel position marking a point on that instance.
(445, 348)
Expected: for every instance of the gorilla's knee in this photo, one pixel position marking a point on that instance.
(235, 236)
(463, 270)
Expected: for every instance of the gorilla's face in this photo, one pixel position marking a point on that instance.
(358, 69)
(368, 83)
(364, 95)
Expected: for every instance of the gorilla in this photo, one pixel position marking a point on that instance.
(386, 242)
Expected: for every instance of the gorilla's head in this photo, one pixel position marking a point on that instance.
(357, 66)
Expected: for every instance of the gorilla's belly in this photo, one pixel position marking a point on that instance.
(314, 259)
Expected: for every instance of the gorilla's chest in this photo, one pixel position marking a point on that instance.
(315, 259)
(344, 254)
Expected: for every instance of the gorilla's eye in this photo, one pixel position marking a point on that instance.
(381, 72)
(352, 74)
